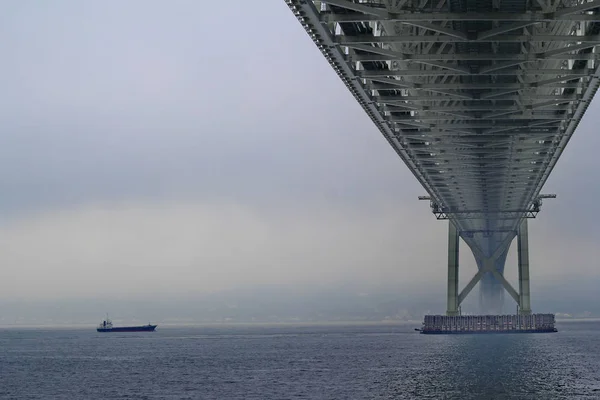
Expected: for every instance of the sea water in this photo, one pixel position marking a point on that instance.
(375, 361)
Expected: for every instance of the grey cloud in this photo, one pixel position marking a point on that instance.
(153, 102)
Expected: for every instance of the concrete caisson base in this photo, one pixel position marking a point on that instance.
(464, 324)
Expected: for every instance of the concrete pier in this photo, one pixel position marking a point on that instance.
(533, 323)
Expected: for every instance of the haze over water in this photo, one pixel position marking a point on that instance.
(151, 149)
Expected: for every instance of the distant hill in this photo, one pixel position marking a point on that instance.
(288, 303)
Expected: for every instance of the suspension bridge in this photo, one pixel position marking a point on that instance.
(479, 98)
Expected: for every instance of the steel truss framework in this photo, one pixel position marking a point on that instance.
(478, 97)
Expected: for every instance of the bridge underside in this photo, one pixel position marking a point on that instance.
(478, 97)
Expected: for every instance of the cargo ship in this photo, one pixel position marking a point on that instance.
(470, 324)
(107, 326)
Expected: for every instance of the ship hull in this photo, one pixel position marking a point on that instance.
(146, 328)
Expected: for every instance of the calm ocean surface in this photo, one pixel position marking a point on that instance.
(293, 362)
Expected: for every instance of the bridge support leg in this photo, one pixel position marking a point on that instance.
(453, 242)
(523, 256)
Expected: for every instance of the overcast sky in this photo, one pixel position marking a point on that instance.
(154, 146)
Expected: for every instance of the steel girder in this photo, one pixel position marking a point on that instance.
(479, 98)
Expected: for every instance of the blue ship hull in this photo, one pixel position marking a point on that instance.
(145, 328)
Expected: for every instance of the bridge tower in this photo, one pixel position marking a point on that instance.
(491, 259)
(493, 284)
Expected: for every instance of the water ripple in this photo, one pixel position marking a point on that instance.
(354, 362)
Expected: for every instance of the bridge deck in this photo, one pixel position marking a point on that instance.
(478, 97)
